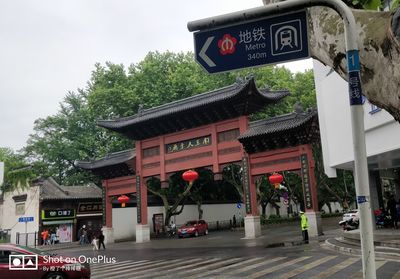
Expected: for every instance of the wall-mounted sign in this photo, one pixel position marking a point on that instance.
(90, 207)
(306, 181)
(138, 200)
(188, 144)
(55, 214)
(246, 183)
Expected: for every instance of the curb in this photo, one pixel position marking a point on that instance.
(357, 251)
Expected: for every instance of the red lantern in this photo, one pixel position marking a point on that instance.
(123, 199)
(276, 179)
(190, 176)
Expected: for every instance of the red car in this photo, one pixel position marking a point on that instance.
(20, 262)
(193, 228)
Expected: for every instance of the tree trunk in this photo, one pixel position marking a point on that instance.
(264, 208)
(379, 52)
(200, 210)
(379, 44)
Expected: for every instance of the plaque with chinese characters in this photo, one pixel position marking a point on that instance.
(188, 144)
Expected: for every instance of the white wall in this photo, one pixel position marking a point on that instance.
(10, 219)
(124, 219)
(382, 131)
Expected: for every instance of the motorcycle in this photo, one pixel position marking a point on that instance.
(383, 220)
(349, 224)
(171, 231)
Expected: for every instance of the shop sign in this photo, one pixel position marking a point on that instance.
(90, 207)
(54, 214)
(188, 144)
(306, 181)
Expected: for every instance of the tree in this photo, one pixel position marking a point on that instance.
(379, 40)
(17, 172)
(340, 189)
(173, 197)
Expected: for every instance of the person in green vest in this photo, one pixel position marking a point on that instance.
(304, 226)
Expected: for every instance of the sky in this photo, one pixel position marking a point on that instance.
(48, 48)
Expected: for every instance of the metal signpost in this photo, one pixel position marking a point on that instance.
(266, 41)
(208, 38)
(26, 220)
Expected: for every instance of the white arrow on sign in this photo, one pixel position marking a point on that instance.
(203, 54)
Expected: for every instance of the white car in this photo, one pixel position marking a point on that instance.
(352, 214)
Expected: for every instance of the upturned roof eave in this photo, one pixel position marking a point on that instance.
(109, 160)
(250, 134)
(200, 100)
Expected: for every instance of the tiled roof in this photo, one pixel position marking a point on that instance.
(51, 190)
(109, 160)
(241, 98)
(277, 124)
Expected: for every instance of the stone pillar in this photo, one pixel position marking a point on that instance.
(252, 225)
(108, 235)
(142, 233)
(310, 191)
(142, 227)
(314, 223)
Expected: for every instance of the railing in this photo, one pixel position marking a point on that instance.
(27, 239)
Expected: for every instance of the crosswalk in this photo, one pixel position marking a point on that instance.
(315, 267)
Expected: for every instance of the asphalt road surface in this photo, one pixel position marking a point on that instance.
(277, 254)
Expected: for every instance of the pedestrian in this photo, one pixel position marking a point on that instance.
(101, 240)
(391, 207)
(44, 234)
(83, 235)
(234, 221)
(304, 226)
(53, 237)
(95, 243)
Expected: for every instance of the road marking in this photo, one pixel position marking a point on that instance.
(332, 270)
(203, 274)
(184, 263)
(217, 264)
(249, 267)
(359, 274)
(275, 268)
(130, 263)
(306, 267)
(140, 268)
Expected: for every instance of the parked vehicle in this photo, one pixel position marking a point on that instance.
(352, 214)
(193, 228)
(20, 262)
(383, 220)
(350, 224)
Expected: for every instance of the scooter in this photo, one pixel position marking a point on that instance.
(350, 224)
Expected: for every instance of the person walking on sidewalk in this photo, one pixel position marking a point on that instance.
(101, 240)
(304, 226)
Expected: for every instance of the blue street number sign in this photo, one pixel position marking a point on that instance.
(267, 41)
(25, 219)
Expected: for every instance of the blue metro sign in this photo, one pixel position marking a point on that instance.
(267, 41)
(25, 219)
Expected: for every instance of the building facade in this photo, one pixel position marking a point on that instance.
(382, 135)
(46, 205)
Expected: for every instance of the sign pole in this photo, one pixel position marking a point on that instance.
(355, 94)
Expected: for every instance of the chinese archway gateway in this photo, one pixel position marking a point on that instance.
(210, 130)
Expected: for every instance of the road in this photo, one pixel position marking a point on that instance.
(277, 254)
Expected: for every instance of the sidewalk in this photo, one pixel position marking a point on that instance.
(386, 242)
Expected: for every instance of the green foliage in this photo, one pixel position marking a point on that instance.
(17, 173)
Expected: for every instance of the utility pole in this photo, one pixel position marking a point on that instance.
(355, 95)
